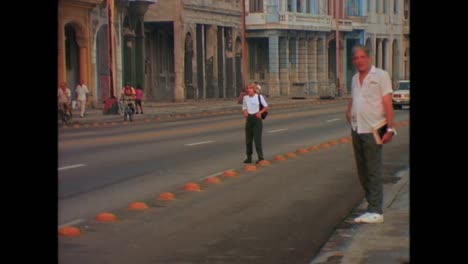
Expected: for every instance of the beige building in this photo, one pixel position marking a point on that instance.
(84, 50)
(193, 49)
(74, 41)
(179, 50)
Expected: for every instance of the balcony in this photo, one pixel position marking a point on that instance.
(344, 25)
(305, 21)
(358, 22)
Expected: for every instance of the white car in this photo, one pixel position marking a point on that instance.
(401, 94)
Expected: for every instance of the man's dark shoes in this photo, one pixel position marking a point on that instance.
(258, 161)
(248, 160)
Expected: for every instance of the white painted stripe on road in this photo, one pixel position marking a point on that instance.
(74, 222)
(71, 167)
(214, 174)
(199, 143)
(278, 130)
(332, 120)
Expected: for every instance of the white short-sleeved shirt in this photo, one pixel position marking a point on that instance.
(367, 108)
(251, 103)
(81, 91)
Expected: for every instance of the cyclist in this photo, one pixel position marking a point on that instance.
(128, 96)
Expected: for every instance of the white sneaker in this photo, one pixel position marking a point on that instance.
(372, 218)
(358, 219)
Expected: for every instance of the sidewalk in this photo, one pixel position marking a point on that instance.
(163, 111)
(383, 243)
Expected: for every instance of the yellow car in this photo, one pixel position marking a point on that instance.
(401, 95)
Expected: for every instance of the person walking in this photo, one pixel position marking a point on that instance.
(64, 98)
(370, 104)
(139, 98)
(81, 92)
(253, 122)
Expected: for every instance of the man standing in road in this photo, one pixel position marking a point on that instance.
(253, 122)
(371, 103)
(81, 96)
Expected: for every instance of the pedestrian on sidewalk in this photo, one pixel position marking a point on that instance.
(253, 122)
(81, 92)
(370, 104)
(139, 97)
(64, 98)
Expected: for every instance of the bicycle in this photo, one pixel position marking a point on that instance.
(64, 115)
(128, 110)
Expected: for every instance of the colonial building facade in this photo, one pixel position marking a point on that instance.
(303, 47)
(83, 45)
(179, 50)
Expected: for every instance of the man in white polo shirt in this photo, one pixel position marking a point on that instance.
(253, 122)
(371, 104)
(81, 96)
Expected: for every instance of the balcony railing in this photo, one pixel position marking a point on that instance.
(301, 19)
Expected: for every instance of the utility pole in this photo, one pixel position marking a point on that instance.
(244, 48)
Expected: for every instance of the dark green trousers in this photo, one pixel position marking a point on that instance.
(368, 156)
(253, 132)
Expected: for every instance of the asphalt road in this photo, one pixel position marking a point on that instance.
(281, 213)
(113, 166)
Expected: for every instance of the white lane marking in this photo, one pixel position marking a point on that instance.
(332, 120)
(71, 167)
(74, 222)
(199, 143)
(214, 174)
(278, 130)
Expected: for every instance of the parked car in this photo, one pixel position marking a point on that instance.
(401, 94)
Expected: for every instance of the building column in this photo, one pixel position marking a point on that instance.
(140, 61)
(83, 65)
(223, 52)
(178, 61)
(273, 67)
(128, 48)
(312, 64)
(322, 66)
(61, 52)
(284, 65)
(302, 58)
(379, 50)
(82, 41)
